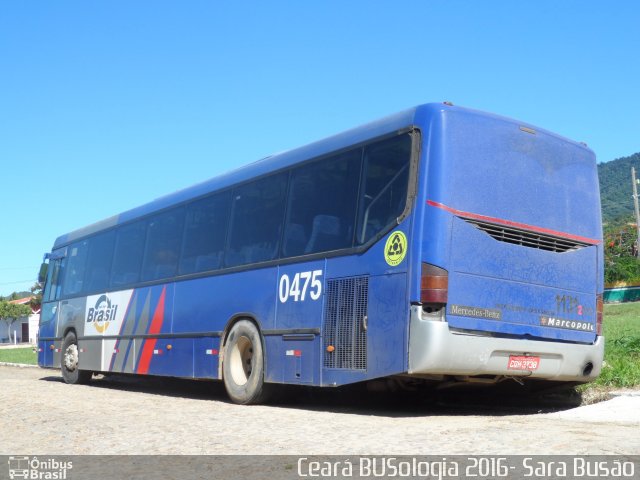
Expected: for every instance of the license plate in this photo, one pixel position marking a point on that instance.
(522, 362)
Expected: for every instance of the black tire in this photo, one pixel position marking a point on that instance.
(69, 366)
(243, 365)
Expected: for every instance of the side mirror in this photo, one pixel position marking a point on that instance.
(42, 275)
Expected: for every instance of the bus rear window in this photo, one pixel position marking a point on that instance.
(385, 186)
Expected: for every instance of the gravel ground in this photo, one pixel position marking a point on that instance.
(121, 415)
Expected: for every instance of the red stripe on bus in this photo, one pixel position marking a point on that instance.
(150, 344)
(509, 223)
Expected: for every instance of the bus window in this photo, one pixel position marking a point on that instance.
(164, 235)
(54, 277)
(322, 205)
(99, 261)
(74, 274)
(205, 233)
(385, 185)
(127, 258)
(256, 220)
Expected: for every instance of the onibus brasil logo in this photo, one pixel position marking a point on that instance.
(102, 314)
(34, 468)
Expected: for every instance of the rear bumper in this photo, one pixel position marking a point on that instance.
(435, 349)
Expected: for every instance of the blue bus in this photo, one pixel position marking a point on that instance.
(440, 244)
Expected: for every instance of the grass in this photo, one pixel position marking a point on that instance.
(622, 346)
(25, 355)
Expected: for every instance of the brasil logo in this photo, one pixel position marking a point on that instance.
(396, 248)
(102, 314)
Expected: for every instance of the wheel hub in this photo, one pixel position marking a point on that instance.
(71, 358)
(241, 360)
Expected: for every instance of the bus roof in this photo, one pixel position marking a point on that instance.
(416, 116)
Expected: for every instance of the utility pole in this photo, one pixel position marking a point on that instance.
(635, 204)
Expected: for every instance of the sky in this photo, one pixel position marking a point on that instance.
(107, 105)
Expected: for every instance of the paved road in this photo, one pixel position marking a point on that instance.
(120, 415)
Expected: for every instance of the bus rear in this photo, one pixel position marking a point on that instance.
(511, 254)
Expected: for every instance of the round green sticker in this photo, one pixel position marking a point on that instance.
(396, 248)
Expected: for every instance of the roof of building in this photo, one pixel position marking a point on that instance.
(25, 301)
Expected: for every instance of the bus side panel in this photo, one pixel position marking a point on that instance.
(275, 361)
(207, 304)
(293, 358)
(172, 357)
(90, 354)
(206, 355)
(294, 352)
(299, 359)
(152, 313)
(387, 325)
(162, 356)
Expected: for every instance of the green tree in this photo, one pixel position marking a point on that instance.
(36, 299)
(11, 312)
(620, 261)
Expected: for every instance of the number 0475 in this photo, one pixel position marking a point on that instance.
(302, 284)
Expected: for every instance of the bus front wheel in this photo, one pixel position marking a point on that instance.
(69, 361)
(243, 364)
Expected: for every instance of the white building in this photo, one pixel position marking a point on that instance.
(24, 329)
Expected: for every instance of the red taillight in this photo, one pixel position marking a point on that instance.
(434, 284)
(599, 310)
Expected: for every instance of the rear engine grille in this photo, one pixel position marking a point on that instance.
(527, 238)
(345, 320)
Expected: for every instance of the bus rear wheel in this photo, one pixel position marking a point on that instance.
(243, 365)
(69, 365)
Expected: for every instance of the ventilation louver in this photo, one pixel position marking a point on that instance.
(527, 238)
(345, 324)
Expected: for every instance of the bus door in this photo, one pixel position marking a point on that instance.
(47, 355)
